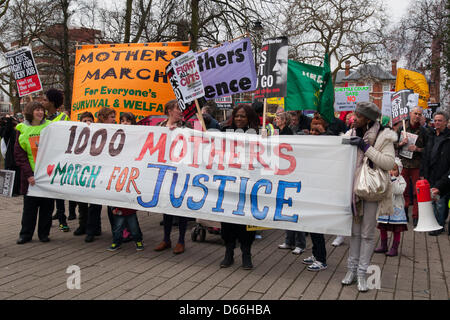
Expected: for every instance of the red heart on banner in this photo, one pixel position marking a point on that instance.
(50, 168)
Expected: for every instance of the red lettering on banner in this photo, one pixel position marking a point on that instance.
(183, 149)
(160, 147)
(214, 152)
(256, 155)
(197, 140)
(234, 154)
(122, 179)
(112, 177)
(291, 159)
(133, 175)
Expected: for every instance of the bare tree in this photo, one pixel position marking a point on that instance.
(446, 41)
(419, 38)
(346, 29)
(30, 19)
(3, 7)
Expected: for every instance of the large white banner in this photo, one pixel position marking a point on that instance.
(286, 182)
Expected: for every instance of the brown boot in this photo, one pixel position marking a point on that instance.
(179, 248)
(163, 246)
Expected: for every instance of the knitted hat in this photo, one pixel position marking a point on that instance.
(368, 110)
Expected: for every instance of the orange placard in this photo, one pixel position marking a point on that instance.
(125, 77)
(407, 79)
(34, 144)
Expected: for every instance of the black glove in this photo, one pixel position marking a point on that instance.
(358, 141)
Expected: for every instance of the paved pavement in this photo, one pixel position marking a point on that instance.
(38, 270)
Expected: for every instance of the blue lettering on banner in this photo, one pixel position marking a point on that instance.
(176, 202)
(260, 215)
(196, 205)
(199, 182)
(223, 181)
(282, 185)
(162, 172)
(242, 192)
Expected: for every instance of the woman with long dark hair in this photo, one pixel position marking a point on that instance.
(243, 119)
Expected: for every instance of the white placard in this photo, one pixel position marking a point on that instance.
(188, 75)
(346, 98)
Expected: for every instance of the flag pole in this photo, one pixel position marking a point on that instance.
(199, 115)
(404, 129)
(264, 114)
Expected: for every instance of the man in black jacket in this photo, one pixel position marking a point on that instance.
(442, 188)
(436, 164)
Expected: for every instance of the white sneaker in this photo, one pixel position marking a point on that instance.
(285, 246)
(298, 250)
(317, 266)
(349, 278)
(258, 236)
(309, 260)
(338, 241)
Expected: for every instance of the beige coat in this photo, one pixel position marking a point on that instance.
(382, 153)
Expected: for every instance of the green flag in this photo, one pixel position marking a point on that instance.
(326, 105)
(310, 88)
(303, 86)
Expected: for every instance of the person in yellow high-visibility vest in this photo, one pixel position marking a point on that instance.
(25, 152)
(52, 101)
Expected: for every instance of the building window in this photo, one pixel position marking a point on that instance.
(386, 87)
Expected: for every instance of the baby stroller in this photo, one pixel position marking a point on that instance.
(199, 231)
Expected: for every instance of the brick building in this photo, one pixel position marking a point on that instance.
(48, 54)
(373, 75)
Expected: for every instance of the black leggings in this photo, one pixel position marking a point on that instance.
(231, 232)
(182, 226)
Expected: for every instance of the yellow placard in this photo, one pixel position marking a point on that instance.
(407, 79)
(276, 100)
(256, 228)
(125, 77)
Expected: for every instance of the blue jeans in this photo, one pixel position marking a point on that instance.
(440, 209)
(133, 227)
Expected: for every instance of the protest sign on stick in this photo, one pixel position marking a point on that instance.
(273, 70)
(346, 98)
(227, 69)
(415, 81)
(7, 182)
(23, 67)
(128, 77)
(386, 105)
(187, 84)
(224, 103)
(399, 105)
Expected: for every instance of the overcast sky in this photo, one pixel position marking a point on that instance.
(397, 8)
